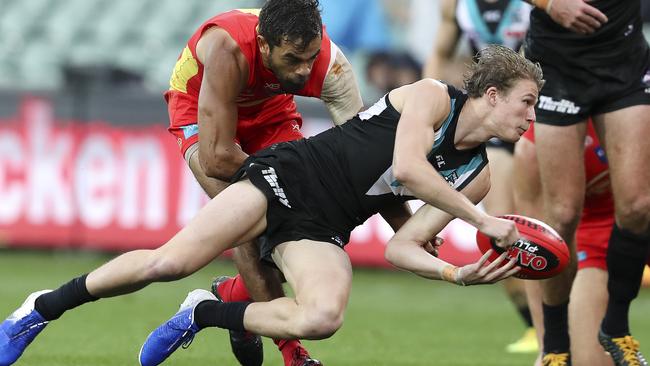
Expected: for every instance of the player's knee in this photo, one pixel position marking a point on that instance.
(165, 268)
(321, 322)
(565, 217)
(634, 214)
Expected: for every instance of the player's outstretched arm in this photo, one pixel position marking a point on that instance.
(409, 248)
(224, 76)
(576, 15)
(424, 105)
(340, 91)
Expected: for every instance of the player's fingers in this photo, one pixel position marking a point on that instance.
(583, 27)
(498, 272)
(439, 241)
(496, 263)
(595, 13)
(429, 247)
(484, 258)
(590, 21)
(511, 272)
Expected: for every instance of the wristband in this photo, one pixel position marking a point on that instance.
(543, 4)
(450, 274)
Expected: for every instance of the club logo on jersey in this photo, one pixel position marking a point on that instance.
(272, 180)
(451, 177)
(561, 106)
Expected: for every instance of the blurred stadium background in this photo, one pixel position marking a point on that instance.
(87, 169)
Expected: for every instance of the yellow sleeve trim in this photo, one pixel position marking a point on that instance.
(186, 67)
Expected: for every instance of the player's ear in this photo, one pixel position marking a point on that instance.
(263, 45)
(491, 93)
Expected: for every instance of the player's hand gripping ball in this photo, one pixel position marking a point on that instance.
(540, 251)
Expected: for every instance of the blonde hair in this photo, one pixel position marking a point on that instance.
(500, 67)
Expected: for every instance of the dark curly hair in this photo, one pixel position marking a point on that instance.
(295, 21)
(500, 67)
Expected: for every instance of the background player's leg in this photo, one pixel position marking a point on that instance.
(560, 155)
(586, 309)
(499, 201)
(527, 190)
(624, 134)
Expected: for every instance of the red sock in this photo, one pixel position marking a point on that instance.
(234, 289)
(288, 349)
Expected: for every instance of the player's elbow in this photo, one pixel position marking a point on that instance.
(403, 172)
(392, 254)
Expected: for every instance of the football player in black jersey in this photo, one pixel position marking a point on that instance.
(602, 73)
(425, 140)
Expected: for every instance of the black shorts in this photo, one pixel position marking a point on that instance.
(295, 204)
(496, 143)
(573, 94)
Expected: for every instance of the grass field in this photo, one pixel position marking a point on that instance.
(393, 318)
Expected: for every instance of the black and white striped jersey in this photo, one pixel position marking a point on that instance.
(353, 162)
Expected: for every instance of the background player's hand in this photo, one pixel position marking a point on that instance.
(577, 15)
(483, 272)
(432, 247)
(504, 232)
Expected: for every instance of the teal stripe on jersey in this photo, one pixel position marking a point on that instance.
(440, 134)
(456, 177)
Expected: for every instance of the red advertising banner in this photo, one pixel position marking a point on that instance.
(89, 184)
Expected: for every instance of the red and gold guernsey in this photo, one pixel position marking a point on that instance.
(261, 103)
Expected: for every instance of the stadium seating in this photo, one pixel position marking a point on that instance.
(39, 38)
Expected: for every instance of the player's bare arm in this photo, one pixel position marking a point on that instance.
(446, 40)
(340, 91)
(225, 74)
(576, 15)
(408, 247)
(414, 139)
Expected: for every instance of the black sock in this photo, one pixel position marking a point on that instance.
(556, 328)
(229, 315)
(524, 311)
(53, 304)
(626, 258)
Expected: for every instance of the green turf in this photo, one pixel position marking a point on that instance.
(393, 318)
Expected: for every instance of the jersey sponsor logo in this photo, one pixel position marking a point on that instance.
(561, 106)
(272, 180)
(272, 86)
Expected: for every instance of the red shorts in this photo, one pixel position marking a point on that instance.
(592, 239)
(275, 120)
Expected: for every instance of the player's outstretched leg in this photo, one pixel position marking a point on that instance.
(247, 347)
(177, 331)
(20, 329)
(624, 350)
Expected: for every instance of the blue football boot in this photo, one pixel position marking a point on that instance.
(20, 329)
(177, 331)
